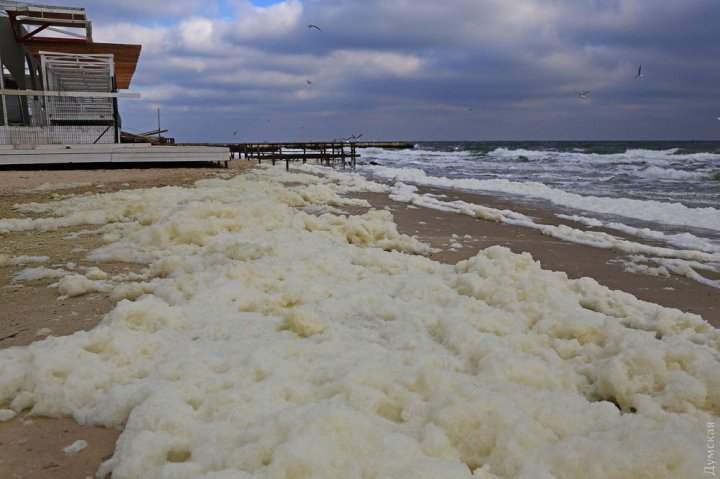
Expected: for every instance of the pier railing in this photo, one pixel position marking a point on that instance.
(329, 154)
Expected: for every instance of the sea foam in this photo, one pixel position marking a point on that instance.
(274, 343)
(648, 210)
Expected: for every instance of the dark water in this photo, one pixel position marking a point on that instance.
(686, 172)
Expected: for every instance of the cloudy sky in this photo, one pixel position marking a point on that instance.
(238, 70)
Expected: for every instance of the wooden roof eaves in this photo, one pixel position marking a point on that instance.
(125, 55)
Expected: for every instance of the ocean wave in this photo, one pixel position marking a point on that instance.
(672, 173)
(629, 156)
(621, 179)
(515, 153)
(647, 210)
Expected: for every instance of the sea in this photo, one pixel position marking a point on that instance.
(668, 192)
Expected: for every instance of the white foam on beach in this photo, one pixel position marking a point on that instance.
(74, 448)
(274, 343)
(45, 187)
(7, 260)
(681, 240)
(41, 272)
(648, 210)
(640, 264)
(43, 332)
(680, 261)
(77, 284)
(7, 415)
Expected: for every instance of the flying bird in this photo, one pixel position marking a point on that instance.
(583, 94)
(309, 82)
(310, 25)
(235, 132)
(639, 73)
(467, 108)
(349, 138)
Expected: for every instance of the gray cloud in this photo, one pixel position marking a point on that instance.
(407, 69)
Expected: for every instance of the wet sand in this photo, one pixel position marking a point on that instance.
(33, 447)
(437, 227)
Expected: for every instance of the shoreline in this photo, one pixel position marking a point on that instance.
(576, 260)
(35, 449)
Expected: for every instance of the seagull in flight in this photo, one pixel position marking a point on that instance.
(235, 132)
(349, 138)
(467, 108)
(583, 94)
(309, 82)
(639, 73)
(310, 25)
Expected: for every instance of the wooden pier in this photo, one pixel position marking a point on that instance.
(336, 153)
(328, 154)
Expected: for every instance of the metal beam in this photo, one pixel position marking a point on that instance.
(81, 94)
(37, 30)
(24, 7)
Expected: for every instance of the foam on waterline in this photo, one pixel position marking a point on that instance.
(641, 264)
(278, 344)
(679, 261)
(682, 240)
(648, 210)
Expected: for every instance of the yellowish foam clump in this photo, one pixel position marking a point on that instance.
(262, 341)
(7, 260)
(75, 447)
(78, 284)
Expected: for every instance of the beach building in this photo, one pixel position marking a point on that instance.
(59, 92)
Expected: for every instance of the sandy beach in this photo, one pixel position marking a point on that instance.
(32, 447)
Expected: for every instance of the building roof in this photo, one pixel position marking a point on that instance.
(31, 19)
(48, 17)
(125, 56)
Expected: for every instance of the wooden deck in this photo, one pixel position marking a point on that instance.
(342, 154)
(109, 153)
(242, 148)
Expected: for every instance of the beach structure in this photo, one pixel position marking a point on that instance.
(59, 91)
(334, 153)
